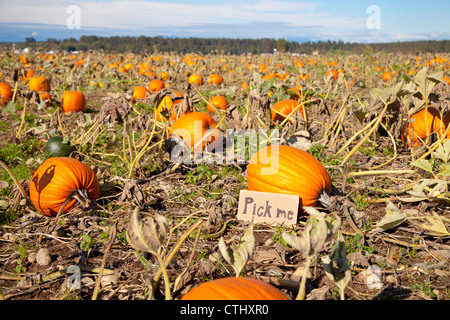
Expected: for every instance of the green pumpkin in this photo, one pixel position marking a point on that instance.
(360, 84)
(58, 147)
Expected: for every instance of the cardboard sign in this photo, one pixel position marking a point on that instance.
(271, 208)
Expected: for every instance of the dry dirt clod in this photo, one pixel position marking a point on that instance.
(43, 257)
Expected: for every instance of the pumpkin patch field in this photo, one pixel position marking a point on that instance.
(121, 175)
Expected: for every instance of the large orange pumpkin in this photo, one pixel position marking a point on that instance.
(415, 130)
(39, 84)
(234, 288)
(6, 93)
(56, 178)
(219, 102)
(283, 108)
(73, 101)
(193, 126)
(288, 170)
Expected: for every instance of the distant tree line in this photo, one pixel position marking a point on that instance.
(227, 45)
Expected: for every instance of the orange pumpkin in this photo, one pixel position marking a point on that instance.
(122, 69)
(73, 101)
(193, 126)
(28, 73)
(139, 93)
(387, 76)
(446, 123)
(219, 102)
(195, 79)
(283, 108)
(6, 93)
(39, 84)
(415, 130)
(54, 181)
(334, 74)
(288, 170)
(155, 85)
(215, 79)
(234, 288)
(45, 96)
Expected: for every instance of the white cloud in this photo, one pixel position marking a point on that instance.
(238, 19)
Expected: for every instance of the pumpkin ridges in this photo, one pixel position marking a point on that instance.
(187, 125)
(68, 174)
(288, 154)
(235, 288)
(283, 108)
(313, 175)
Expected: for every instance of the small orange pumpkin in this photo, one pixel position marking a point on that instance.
(6, 93)
(139, 93)
(193, 126)
(28, 73)
(235, 288)
(219, 102)
(122, 69)
(387, 76)
(415, 130)
(334, 73)
(195, 79)
(283, 108)
(56, 179)
(215, 79)
(45, 96)
(155, 85)
(73, 101)
(288, 170)
(39, 84)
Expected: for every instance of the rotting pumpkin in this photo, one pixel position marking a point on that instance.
(59, 182)
(288, 170)
(235, 288)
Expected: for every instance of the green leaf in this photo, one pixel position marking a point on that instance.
(380, 93)
(10, 107)
(426, 82)
(443, 151)
(392, 218)
(238, 257)
(267, 85)
(436, 225)
(423, 164)
(336, 266)
(318, 230)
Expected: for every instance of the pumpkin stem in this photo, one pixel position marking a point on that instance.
(80, 195)
(324, 199)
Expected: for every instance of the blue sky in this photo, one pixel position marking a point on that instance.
(292, 20)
